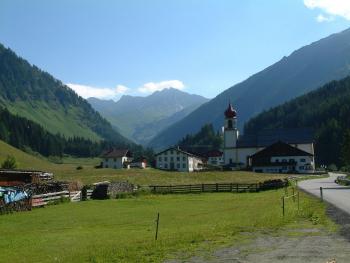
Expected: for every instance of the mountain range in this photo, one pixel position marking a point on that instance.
(304, 70)
(141, 118)
(27, 91)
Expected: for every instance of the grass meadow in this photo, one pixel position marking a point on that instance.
(123, 230)
(67, 171)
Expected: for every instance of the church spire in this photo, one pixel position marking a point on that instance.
(230, 112)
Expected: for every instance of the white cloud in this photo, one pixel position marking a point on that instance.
(97, 92)
(331, 8)
(151, 87)
(321, 18)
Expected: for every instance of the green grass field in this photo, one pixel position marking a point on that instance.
(67, 171)
(123, 230)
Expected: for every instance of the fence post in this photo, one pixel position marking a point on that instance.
(231, 187)
(283, 206)
(293, 191)
(321, 193)
(156, 237)
(217, 188)
(298, 200)
(237, 188)
(202, 188)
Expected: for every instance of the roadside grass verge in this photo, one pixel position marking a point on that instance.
(123, 230)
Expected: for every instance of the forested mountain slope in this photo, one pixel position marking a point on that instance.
(304, 70)
(327, 110)
(29, 92)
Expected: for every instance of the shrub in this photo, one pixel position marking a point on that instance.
(79, 167)
(9, 163)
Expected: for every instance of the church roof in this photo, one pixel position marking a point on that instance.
(265, 138)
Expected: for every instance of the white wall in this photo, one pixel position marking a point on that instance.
(175, 160)
(115, 163)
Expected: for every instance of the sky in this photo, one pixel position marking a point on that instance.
(110, 48)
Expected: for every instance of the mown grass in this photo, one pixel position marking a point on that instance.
(67, 171)
(123, 230)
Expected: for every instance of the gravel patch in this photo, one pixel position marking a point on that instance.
(308, 245)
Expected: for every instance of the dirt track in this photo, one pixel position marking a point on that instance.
(308, 245)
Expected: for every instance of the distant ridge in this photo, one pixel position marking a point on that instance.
(141, 118)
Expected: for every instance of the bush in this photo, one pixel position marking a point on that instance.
(79, 167)
(332, 168)
(9, 163)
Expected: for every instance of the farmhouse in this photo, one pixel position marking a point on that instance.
(116, 158)
(140, 162)
(176, 159)
(238, 149)
(215, 157)
(281, 157)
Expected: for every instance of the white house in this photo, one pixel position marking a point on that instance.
(215, 157)
(139, 163)
(238, 148)
(176, 159)
(116, 158)
(281, 157)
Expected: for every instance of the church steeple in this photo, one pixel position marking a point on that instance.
(230, 112)
(230, 135)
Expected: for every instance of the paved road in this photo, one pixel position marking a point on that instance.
(337, 197)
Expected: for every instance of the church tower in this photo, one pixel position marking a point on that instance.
(230, 135)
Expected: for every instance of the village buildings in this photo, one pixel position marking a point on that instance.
(116, 158)
(238, 150)
(175, 159)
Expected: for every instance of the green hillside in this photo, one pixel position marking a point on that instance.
(304, 70)
(24, 160)
(327, 110)
(29, 92)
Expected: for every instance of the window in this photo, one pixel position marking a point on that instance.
(302, 160)
(106, 160)
(229, 124)
(171, 159)
(165, 159)
(160, 158)
(166, 166)
(171, 152)
(284, 160)
(114, 160)
(178, 159)
(184, 158)
(178, 166)
(183, 165)
(291, 160)
(277, 160)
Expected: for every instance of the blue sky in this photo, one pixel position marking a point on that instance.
(106, 48)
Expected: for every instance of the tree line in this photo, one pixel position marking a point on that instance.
(23, 134)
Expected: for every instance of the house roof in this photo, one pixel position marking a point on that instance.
(179, 150)
(214, 153)
(116, 153)
(280, 149)
(265, 138)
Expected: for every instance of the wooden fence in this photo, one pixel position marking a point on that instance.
(44, 199)
(219, 187)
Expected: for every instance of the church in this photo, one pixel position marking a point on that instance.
(283, 150)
